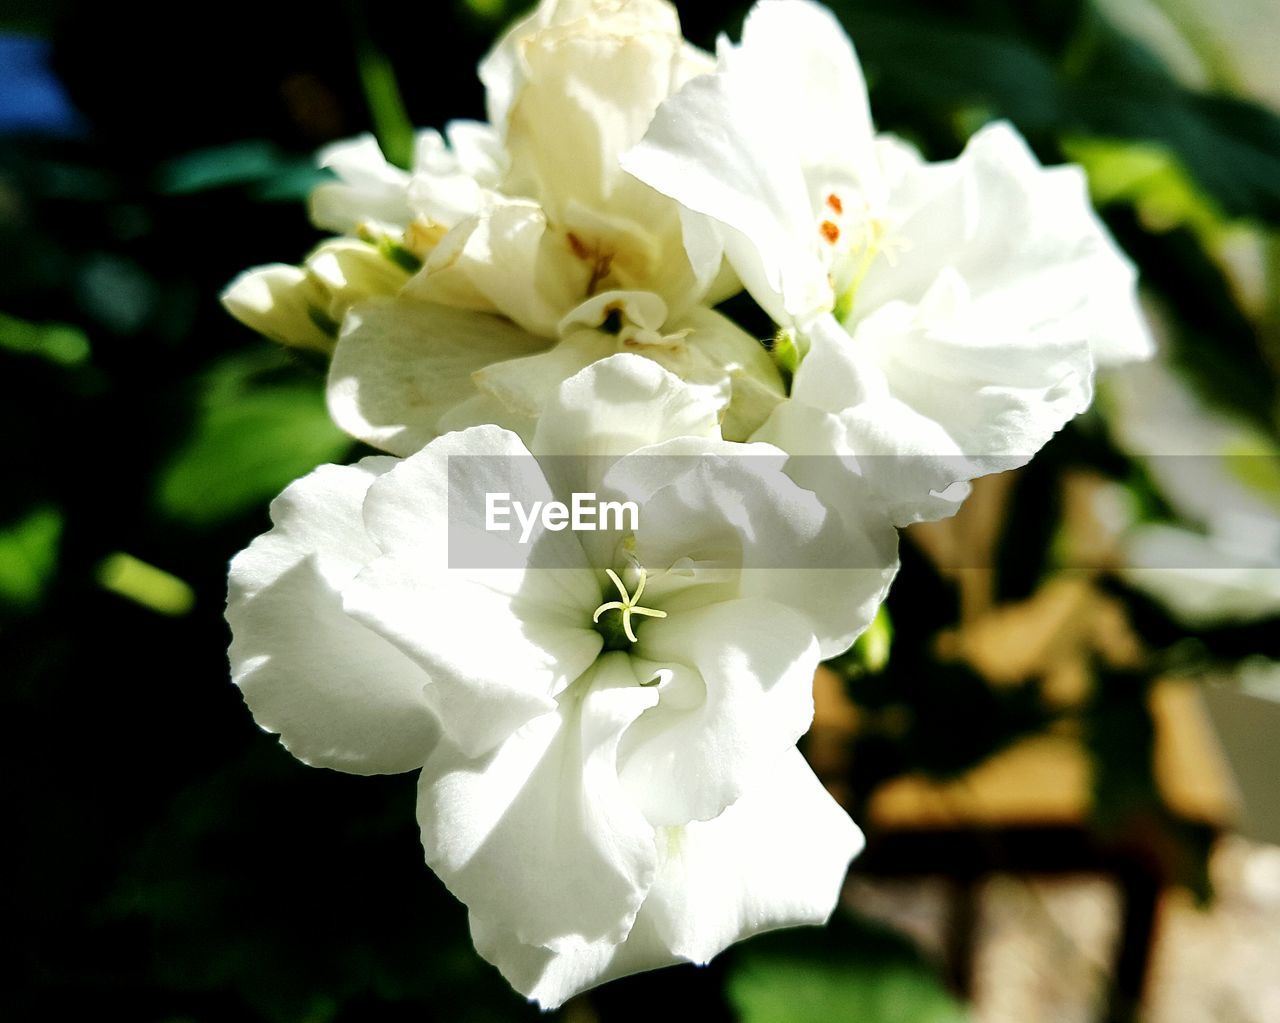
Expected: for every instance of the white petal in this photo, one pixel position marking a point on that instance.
(498, 642)
(350, 271)
(478, 151)
(281, 302)
(736, 508)
(401, 366)
(456, 180)
(893, 475)
(722, 349)
(369, 191)
(506, 260)
(856, 446)
(800, 54)
(538, 838)
(776, 858)
(1156, 416)
(740, 694)
(784, 114)
(501, 70)
(552, 978)
(1024, 239)
(340, 695)
(1120, 333)
(998, 381)
(526, 385)
(714, 278)
(589, 90)
(619, 404)
(710, 149)
(1205, 581)
(941, 392)
(611, 408)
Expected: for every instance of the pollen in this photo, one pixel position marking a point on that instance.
(836, 205)
(829, 231)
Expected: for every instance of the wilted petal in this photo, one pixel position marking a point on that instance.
(597, 79)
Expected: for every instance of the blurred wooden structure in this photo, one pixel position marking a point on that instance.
(1029, 809)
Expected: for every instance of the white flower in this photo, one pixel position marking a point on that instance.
(555, 237)
(531, 225)
(602, 806)
(388, 229)
(372, 199)
(776, 148)
(953, 312)
(304, 306)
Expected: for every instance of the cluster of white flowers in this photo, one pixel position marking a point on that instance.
(606, 723)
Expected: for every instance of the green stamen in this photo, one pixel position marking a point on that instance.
(616, 629)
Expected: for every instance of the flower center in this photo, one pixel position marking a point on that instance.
(851, 238)
(613, 618)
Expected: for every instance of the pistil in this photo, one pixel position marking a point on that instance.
(629, 605)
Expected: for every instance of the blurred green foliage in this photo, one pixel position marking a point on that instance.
(848, 972)
(28, 557)
(257, 427)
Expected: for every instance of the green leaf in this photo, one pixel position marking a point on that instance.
(391, 122)
(57, 342)
(253, 162)
(29, 556)
(145, 584)
(255, 433)
(1147, 176)
(1099, 83)
(851, 971)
